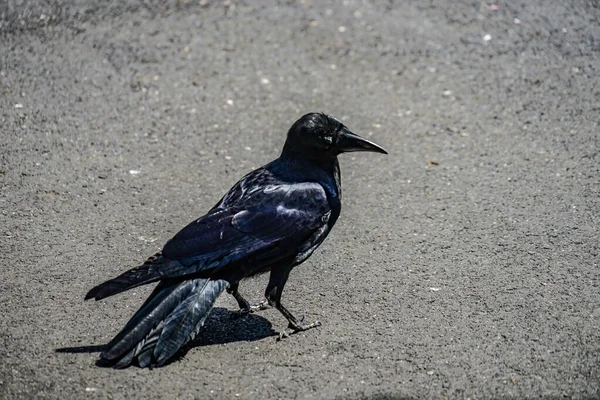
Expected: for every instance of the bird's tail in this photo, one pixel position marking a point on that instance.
(154, 268)
(170, 317)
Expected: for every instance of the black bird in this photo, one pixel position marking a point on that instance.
(271, 220)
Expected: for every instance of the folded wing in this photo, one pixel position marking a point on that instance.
(261, 226)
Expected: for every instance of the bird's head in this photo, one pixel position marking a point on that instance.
(321, 136)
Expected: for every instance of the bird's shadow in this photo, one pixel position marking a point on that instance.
(222, 326)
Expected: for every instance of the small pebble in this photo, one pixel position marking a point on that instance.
(487, 37)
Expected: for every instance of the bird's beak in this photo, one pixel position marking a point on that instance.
(348, 141)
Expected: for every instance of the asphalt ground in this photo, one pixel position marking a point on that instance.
(464, 264)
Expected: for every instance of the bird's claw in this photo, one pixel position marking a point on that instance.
(297, 327)
(242, 312)
(263, 305)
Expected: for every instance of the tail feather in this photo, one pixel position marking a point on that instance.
(146, 348)
(185, 321)
(142, 351)
(161, 302)
(172, 315)
(154, 268)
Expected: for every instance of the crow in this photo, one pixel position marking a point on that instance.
(270, 221)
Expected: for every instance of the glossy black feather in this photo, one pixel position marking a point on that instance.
(185, 321)
(172, 316)
(271, 220)
(235, 230)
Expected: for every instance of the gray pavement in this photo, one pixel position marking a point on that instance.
(464, 264)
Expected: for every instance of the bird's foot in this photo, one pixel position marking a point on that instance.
(295, 327)
(263, 305)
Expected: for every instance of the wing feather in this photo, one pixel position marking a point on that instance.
(262, 226)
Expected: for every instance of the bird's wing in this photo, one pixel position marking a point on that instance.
(275, 214)
(262, 227)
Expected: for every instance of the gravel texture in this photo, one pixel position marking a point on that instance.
(464, 264)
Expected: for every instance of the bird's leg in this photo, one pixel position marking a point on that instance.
(242, 302)
(273, 294)
(294, 326)
(245, 306)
